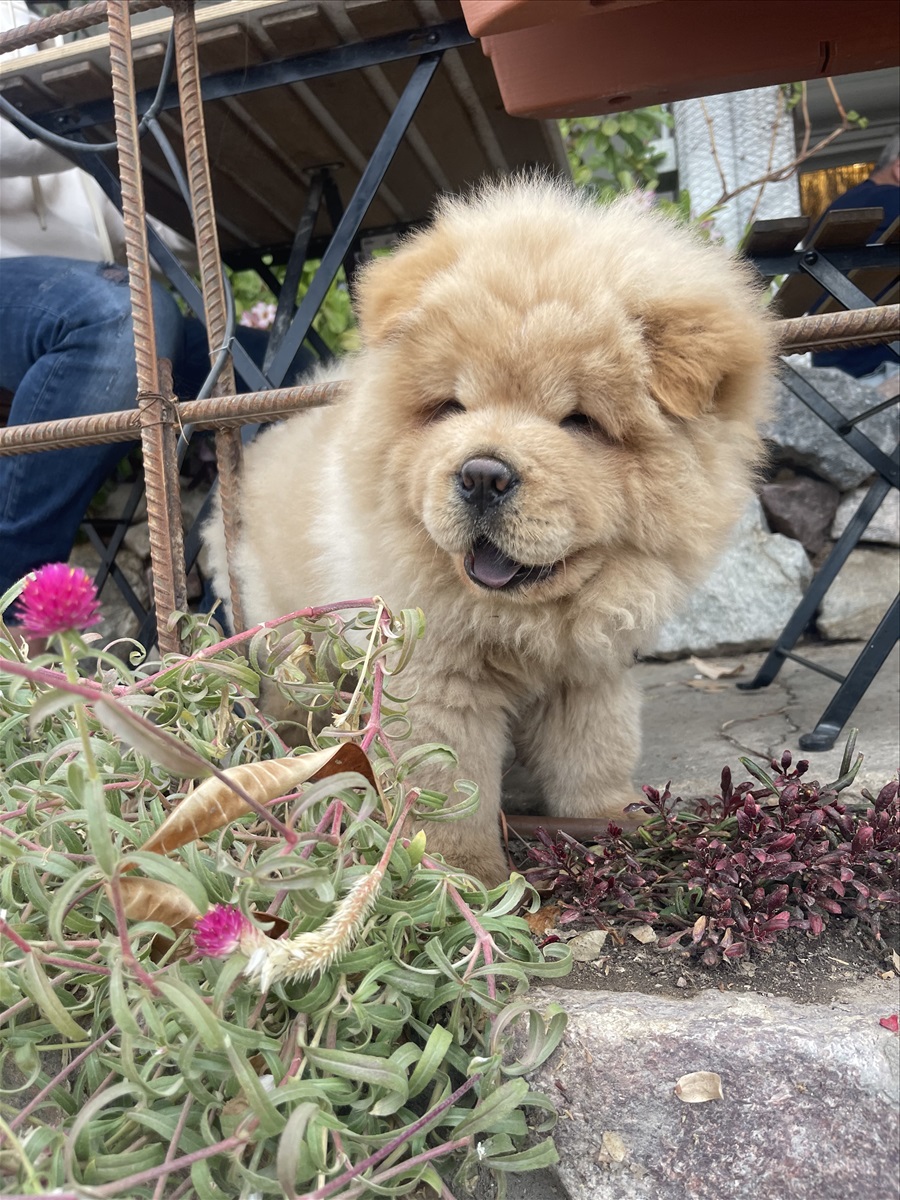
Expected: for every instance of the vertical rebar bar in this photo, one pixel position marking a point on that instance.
(228, 441)
(162, 494)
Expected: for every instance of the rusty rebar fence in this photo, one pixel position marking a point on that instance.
(157, 416)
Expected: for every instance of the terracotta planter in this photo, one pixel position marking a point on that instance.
(576, 58)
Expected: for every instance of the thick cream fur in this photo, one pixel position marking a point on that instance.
(524, 304)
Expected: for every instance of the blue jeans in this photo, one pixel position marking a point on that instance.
(66, 350)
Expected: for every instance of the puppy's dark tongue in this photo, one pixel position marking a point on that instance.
(489, 566)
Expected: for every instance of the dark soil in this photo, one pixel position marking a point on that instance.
(802, 968)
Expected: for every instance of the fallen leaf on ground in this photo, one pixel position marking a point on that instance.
(544, 920)
(706, 685)
(892, 1023)
(588, 946)
(612, 1148)
(644, 934)
(895, 959)
(714, 668)
(699, 1086)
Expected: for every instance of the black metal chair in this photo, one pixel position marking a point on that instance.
(810, 270)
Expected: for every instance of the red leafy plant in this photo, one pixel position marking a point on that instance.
(733, 872)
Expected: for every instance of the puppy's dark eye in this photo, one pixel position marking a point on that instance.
(580, 422)
(448, 408)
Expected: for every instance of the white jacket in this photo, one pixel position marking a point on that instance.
(47, 204)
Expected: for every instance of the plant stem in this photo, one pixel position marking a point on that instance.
(71, 672)
(123, 1186)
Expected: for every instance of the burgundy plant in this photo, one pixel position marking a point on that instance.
(733, 872)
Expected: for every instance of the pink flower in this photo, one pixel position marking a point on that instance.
(223, 930)
(260, 316)
(56, 598)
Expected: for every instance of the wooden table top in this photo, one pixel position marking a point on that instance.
(263, 144)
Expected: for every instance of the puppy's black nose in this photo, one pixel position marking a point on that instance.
(485, 482)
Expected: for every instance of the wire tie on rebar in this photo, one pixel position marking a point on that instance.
(150, 399)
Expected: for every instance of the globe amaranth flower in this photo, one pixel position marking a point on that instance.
(223, 930)
(56, 598)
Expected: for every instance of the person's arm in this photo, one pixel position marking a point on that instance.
(21, 155)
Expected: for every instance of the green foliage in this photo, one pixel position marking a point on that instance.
(129, 1064)
(334, 322)
(615, 153)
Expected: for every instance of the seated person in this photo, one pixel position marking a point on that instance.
(66, 342)
(880, 190)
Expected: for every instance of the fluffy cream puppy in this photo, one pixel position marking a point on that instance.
(545, 439)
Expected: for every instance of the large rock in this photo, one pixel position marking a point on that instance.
(884, 526)
(801, 508)
(859, 597)
(745, 603)
(809, 1107)
(801, 439)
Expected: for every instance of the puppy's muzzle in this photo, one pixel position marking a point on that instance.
(486, 483)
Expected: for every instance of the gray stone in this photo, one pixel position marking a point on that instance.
(859, 597)
(747, 599)
(884, 526)
(191, 502)
(118, 619)
(801, 439)
(801, 508)
(810, 1106)
(137, 539)
(111, 504)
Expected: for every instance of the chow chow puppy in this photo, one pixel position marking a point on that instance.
(545, 439)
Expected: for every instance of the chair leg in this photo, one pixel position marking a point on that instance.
(856, 681)
(806, 609)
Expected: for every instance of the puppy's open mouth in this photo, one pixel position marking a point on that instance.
(489, 567)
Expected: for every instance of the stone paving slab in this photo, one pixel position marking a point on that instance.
(811, 1097)
(694, 726)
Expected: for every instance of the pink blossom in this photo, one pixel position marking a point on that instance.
(56, 598)
(260, 316)
(223, 930)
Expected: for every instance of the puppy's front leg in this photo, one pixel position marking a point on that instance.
(582, 743)
(453, 710)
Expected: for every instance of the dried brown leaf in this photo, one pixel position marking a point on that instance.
(706, 685)
(153, 900)
(612, 1147)
(645, 934)
(544, 920)
(587, 947)
(713, 668)
(214, 804)
(699, 1086)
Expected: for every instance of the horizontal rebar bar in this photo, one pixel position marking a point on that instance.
(857, 327)
(218, 412)
(69, 21)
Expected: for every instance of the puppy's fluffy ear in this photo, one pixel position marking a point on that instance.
(389, 288)
(694, 349)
